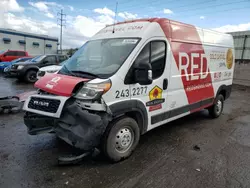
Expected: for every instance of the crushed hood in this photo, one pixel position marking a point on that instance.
(59, 84)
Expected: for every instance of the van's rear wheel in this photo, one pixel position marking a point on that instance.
(216, 110)
(120, 139)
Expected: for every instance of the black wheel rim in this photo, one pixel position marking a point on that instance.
(32, 77)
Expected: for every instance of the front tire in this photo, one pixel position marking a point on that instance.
(216, 110)
(120, 139)
(30, 76)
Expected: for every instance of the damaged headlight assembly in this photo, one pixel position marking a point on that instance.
(93, 91)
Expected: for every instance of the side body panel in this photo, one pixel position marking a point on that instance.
(201, 65)
(219, 49)
(196, 68)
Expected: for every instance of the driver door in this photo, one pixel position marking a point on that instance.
(153, 96)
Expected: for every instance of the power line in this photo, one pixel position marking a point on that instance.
(62, 23)
(216, 12)
(219, 5)
(189, 5)
(151, 3)
(180, 8)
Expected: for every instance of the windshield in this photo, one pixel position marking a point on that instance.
(101, 58)
(2, 51)
(37, 58)
(21, 60)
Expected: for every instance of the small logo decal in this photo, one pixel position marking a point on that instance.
(155, 93)
(55, 79)
(155, 96)
(50, 84)
(40, 103)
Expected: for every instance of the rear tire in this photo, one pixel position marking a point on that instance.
(30, 76)
(120, 139)
(216, 110)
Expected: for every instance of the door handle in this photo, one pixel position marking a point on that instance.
(165, 84)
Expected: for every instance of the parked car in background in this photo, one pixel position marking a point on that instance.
(5, 64)
(28, 70)
(49, 69)
(12, 54)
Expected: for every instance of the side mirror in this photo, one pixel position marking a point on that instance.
(4, 55)
(45, 62)
(143, 74)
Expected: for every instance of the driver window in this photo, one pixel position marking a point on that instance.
(143, 56)
(154, 53)
(158, 58)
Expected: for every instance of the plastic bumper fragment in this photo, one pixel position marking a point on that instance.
(38, 124)
(81, 128)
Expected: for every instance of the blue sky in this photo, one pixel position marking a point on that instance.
(86, 17)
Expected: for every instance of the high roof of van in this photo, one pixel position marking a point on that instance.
(163, 27)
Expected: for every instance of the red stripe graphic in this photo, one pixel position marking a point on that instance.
(190, 59)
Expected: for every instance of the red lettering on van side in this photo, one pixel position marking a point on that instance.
(190, 59)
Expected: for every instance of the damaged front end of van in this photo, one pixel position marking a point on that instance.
(70, 107)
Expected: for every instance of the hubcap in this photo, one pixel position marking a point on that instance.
(218, 106)
(124, 139)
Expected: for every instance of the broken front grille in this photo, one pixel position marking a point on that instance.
(45, 105)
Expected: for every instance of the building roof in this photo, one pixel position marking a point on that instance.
(25, 34)
(240, 33)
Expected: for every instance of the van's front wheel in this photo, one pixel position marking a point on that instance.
(120, 139)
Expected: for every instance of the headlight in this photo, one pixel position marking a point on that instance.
(20, 67)
(1, 65)
(93, 91)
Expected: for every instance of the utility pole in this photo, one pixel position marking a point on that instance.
(62, 23)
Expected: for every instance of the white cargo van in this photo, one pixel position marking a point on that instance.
(130, 78)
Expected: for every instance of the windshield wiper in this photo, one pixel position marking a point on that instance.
(85, 73)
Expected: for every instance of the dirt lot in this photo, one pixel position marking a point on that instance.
(165, 156)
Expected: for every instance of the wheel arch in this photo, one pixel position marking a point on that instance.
(225, 90)
(31, 68)
(134, 109)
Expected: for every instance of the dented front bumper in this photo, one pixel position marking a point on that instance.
(38, 124)
(77, 126)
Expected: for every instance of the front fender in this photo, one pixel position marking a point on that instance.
(27, 68)
(123, 107)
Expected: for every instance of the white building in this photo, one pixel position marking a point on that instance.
(34, 44)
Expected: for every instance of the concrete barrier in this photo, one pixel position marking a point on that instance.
(242, 74)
